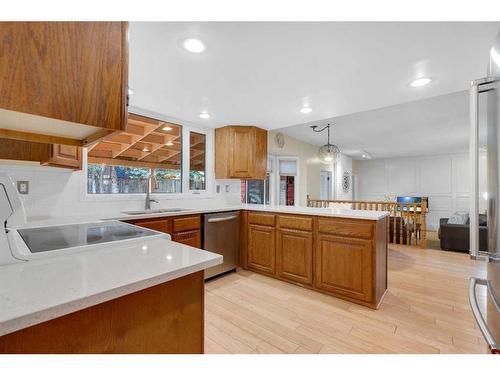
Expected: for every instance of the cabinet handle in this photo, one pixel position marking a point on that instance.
(478, 316)
(219, 219)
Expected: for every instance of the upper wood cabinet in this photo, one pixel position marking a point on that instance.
(66, 79)
(240, 152)
(64, 156)
(46, 154)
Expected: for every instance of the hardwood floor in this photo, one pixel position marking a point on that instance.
(426, 310)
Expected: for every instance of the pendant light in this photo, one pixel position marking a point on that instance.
(329, 152)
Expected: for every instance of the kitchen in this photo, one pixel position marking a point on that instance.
(110, 205)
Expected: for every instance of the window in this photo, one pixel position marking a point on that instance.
(111, 179)
(167, 181)
(197, 161)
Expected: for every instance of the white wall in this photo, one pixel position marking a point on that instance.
(445, 179)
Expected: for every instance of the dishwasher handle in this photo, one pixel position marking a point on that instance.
(478, 316)
(219, 219)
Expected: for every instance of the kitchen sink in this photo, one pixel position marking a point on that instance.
(157, 211)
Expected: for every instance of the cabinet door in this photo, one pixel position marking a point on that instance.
(294, 255)
(241, 152)
(71, 71)
(191, 238)
(344, 266)
(261, 250)
(66, 156)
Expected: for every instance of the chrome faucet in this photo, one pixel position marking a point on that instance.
(147, 203)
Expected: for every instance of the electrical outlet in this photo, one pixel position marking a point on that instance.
(227, 188)
(217, 189)
(23, 187)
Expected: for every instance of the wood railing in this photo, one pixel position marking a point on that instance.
(406, 223)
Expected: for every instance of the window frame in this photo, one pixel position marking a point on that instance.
(296, 179)
(185, 193)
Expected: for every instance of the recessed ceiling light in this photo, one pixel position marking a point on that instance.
(364, 155)
(306, 110)
(193, 45)
(419, 82)
(167, 128)
(169, 143)
(204, 115)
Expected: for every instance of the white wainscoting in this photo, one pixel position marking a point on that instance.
(445, 179)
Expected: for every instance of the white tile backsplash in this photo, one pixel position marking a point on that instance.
(56, 192)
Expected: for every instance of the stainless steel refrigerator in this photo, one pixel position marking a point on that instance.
(485, 144)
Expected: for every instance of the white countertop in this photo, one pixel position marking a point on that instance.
(328, 212)
(37, 291)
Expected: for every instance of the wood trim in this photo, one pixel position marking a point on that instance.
(39, 138)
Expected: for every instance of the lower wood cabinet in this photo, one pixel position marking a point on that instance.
(191, 238)
(261, 250)
(343, 257)
(344, 266)
(294, 252)
(183, 229)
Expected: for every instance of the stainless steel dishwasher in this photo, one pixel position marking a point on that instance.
(221, 235)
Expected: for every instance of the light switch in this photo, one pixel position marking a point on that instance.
(227, 188)
(23, 187)
(217, 189)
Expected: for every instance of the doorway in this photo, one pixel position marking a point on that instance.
(325, 185)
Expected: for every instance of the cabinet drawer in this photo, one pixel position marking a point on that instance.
(295, 222)
(184, 224)
(261, 219)
(191, 238)
(163, 225)
(345, 228)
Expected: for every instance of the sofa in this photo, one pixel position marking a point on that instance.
(456, 236)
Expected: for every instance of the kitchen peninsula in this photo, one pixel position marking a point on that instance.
(148, 297)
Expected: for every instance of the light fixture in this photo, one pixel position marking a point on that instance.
(204, 115)
(365, 155)
(306, 110)
(419, 82)
(328, 152)
(167, 128)
(193, 45)
(145, 149)
(169, 143)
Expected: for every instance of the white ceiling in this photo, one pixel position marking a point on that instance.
(437, 125)
(262, 73)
